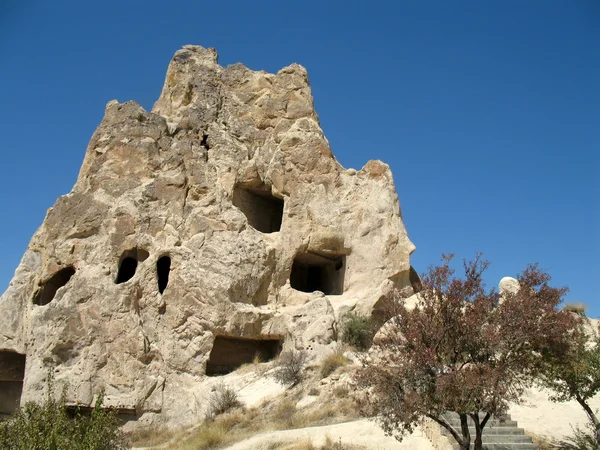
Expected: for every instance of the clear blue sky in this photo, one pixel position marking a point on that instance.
(487, 111)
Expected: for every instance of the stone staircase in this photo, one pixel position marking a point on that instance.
(500, 433)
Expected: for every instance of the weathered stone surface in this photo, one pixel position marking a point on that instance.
(166, 183)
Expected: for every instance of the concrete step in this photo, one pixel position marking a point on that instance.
(490, 431)
(506, 439)
(491, 423)
(454, 415)
(506, 446)
(500, 433)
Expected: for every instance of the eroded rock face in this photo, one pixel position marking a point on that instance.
(230, 183)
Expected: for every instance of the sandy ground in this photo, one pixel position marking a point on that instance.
(555, 420)
(360, 432)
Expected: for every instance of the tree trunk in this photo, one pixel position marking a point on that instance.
(591, 416)
(464, 425)
(478, 431)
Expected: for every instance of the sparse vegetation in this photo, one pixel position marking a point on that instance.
(284, 414)
(313, 391)
(332, 361)
(222, 399)
(150, 436)
(257, 359)
(578, 308)
(290, 366)
(341, 391)
(582, 439)
(358, 331)
(329, 444)
(50, 426)
(279, 414)
(209, 436)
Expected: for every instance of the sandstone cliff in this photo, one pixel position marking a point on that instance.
(217, 226)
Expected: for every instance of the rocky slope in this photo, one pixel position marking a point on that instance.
(216, 227)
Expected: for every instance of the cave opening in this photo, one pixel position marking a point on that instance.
(12, 373)
(163, 267)
(263, 210)
(229, 353)
(316, 272)
(47, 291)
(128, 264)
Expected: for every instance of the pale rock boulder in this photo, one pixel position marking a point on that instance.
(508, 286)
(220, 220)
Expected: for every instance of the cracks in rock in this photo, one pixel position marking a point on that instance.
(187, 188)
(146, 341)
(186, 185)
(204, 142)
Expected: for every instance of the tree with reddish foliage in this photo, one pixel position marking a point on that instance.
(462, 349)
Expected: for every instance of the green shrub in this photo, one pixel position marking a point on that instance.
(50, 426)
(357, 331)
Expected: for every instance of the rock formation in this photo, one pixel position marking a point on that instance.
(215, 227)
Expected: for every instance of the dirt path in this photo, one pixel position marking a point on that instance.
(360, 432)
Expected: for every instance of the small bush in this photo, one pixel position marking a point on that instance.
(50, 426)
(330, 444)
(331, 362)
(209, 436)
(284, 414)
(221, 400)
(305, 445)
(150, 436)
(358, 331)
(582, 439)
(341, 391)
(313, 391)
(290, 366)
(577, 308)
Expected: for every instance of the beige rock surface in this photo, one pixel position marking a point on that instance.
(540, 416)
(229, 188)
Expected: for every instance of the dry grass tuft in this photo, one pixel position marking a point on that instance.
(151, 436)
(207, 437)
(577, 307)
(341, 391)
(306, 445)
(330, 444)
(284, 414)
(331, 362)
(543, 442)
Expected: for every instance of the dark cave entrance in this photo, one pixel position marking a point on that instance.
(46, 293)
(263, 210)
(163, 267)
(229, 353)
(128, 264)
(315, 272)
(12, 372)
